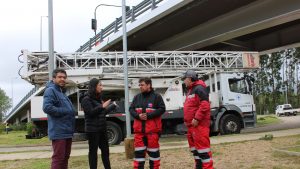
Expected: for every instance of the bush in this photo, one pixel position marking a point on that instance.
(29, 127)
(267, 137)
(2, 127)
(18, 127)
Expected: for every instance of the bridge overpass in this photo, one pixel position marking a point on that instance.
(251, 25)
(231, 25)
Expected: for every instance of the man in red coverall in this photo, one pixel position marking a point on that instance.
(197, 119)
(146, 109)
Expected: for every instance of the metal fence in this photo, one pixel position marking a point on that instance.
(131, 16)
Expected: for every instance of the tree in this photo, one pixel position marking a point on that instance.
(5, 103)
(261, 86)
(274, 66)
(297, 65)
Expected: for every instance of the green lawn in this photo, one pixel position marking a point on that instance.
(18, 138)
(267, 120)
(294, 149)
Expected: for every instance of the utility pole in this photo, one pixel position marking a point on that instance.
(129, 148)
(41, 33)
(51, 41)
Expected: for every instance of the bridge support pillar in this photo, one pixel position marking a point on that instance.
(28, 116)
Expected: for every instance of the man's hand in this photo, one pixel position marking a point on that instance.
(105, 104)
(195, 122)
(143, 116)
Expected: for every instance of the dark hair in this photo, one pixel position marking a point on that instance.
(147, 80)
(92, 87)
(58, 70)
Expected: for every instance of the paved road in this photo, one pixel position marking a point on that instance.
(287, 122)
(81, 149)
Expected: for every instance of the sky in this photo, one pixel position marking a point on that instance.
(21, 25)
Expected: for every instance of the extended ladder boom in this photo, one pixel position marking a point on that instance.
(145, 63)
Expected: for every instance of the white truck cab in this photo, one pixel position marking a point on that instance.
(233, 100)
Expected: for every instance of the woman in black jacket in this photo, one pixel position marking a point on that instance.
(95, 110)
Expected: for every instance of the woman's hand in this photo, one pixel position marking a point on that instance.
(106, 103)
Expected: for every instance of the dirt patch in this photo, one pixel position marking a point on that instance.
(255, 154)
(243, 155)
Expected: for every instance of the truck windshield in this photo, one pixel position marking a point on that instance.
(237, 85)
(287, 107)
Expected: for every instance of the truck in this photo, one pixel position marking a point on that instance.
(227, 75)
(286, 109)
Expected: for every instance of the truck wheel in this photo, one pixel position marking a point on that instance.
(114, 133)
(213, 134)
(79, 137)
(230, 124)
(181, 129)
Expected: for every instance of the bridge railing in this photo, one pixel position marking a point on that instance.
(131, 16)
(27, 96)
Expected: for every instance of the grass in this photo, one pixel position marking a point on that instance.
(26, 164)
(267, 120)
(294, 149)
(172, 138)
(24, 151)
(293, 161)
(17, 138)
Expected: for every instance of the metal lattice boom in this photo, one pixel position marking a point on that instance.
(154, 63)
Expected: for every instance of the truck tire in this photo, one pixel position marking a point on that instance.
(114, 133)
(181, 129)
(213, 133)
(79, 137)
(230, 124)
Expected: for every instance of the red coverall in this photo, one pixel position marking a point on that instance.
(146, 133)
(197, 107)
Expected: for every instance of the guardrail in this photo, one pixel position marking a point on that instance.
(131, 16)
(29, 94)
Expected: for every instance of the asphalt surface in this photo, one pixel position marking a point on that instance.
(287, 122)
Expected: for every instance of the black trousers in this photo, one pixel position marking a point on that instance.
(98, 139)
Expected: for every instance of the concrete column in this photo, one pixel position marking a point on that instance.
(28, 116)
(17, 120)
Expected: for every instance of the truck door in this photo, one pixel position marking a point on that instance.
(237, 93)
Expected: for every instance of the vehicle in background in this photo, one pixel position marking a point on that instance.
(286, 109)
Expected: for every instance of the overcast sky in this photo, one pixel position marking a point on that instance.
(20, 29)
